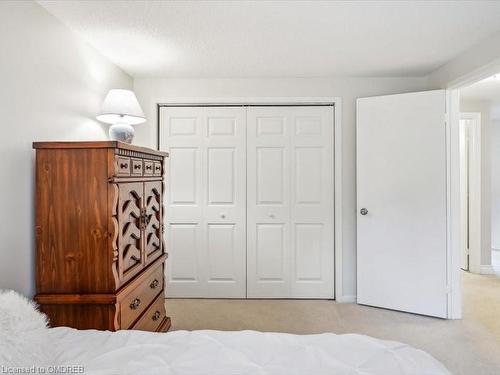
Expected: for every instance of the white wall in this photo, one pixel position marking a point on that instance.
(495, 182)
(52, 87)
(152, 91)
(483, 107)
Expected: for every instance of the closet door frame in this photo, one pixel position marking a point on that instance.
(336, 102)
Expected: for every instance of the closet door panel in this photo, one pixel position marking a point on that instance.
(206, 195)
(182, 137)
(184, 177)
(271, 261)
(221, 253)
(312, 236)
(290, 251)
(183, 240)
(224, 176)
(268, 209)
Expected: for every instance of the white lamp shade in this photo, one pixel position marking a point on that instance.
(121, 106)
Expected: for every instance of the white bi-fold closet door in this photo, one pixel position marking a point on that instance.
(249, 207)
(205, 201)
(290, 202)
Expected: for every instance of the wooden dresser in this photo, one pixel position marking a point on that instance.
(99, 235)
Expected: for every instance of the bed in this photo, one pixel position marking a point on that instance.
(201, 352)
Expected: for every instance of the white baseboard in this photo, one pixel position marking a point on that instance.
(486, 269)
(346, 299)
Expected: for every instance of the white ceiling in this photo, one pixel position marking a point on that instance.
(486, 90)
(279, 38)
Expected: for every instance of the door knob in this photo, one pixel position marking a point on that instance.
(363, 211)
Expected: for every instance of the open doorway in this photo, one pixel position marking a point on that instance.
(479, 177)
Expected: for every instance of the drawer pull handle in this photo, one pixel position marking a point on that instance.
(157, 167)
(148, 167)
(154, 284)
(137, 166)
(156, 316)
(135, 304)
(123, 165)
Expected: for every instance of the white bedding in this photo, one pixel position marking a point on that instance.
(243, 352)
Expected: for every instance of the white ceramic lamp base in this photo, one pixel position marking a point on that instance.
(121, 132)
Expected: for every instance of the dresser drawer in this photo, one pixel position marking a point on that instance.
(153, 317)
(138, 299)
(122, 166)
(148, 168)
(136, 167)
(157, 168)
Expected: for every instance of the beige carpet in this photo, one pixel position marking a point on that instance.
(470, 346)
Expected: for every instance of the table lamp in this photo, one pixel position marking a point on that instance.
(122, 110)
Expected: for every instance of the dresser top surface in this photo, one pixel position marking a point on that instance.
(96, 144)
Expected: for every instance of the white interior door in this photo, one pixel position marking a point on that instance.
(205, 201)
(401, 182)
(290, 246)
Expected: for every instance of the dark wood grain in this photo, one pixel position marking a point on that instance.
(145, 293)
(71, 222)
(165, 325)
(76, 299)
(153, 229)
(95, 145)
(136, 167)
(98, 231)
(88, 316)
(153, 317)
(130, 233)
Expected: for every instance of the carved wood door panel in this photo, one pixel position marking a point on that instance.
(153, 235)
(130, 247)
